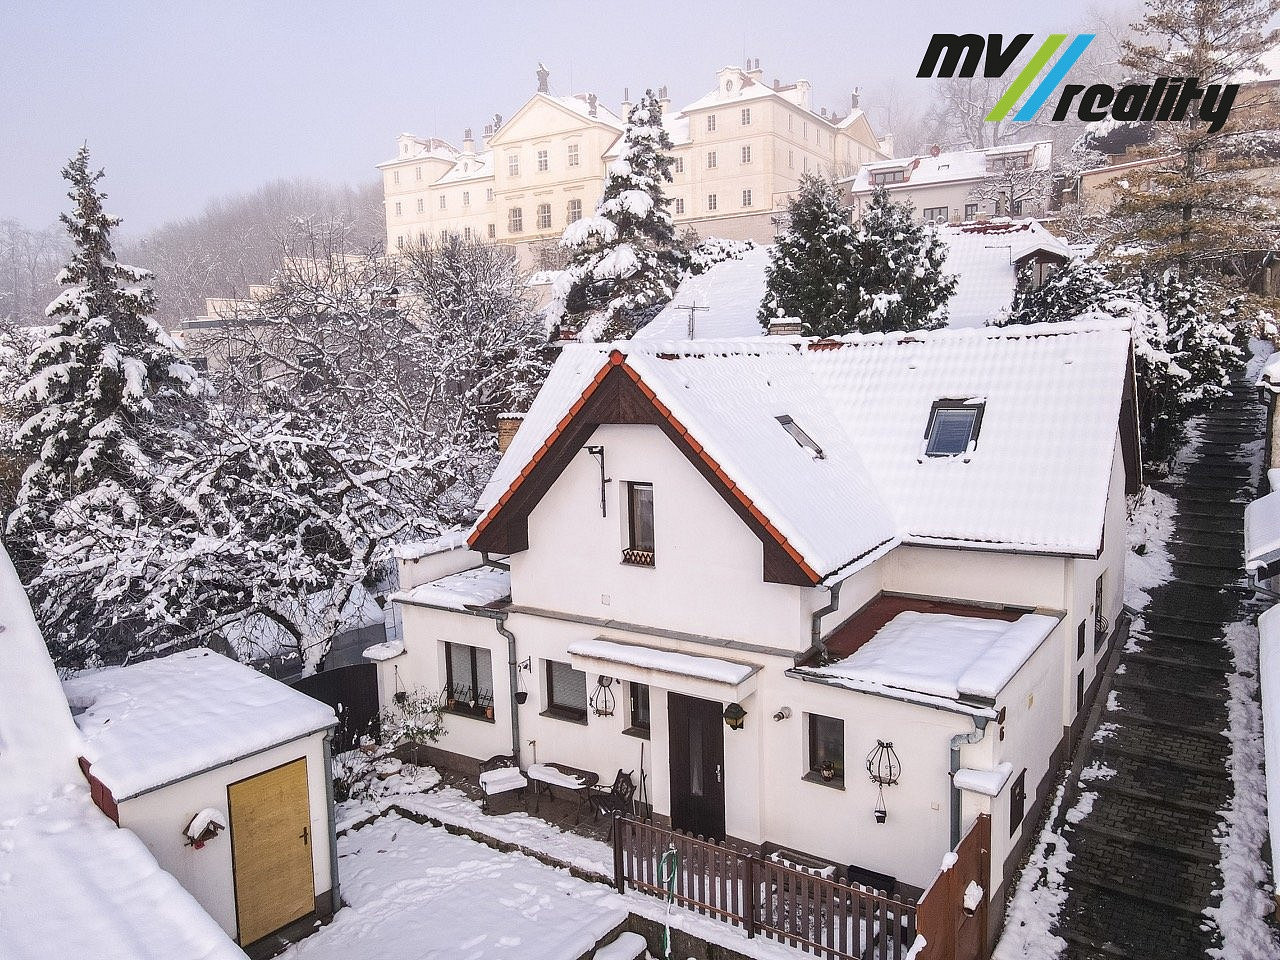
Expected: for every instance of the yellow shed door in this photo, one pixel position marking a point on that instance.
(271, 850)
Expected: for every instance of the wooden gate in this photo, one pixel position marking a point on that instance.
(950, 931)
(271, 850)
(353, 693)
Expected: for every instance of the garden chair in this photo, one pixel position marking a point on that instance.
(500, 775)
(615, 800)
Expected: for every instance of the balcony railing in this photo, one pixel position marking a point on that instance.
(460, 698)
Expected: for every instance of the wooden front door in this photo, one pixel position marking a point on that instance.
(696, 731)
(271, 850)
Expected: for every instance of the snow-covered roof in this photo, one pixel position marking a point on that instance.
(475, 587)
(1051, 396)
(579, 104)
(663, 661)
(987, 782)
(1269, 377)
(731, 292)
(941, 655)
(729, 397)
(469, 166)
(72, 884)
(421, 148)
(947, 166)
(1262, 532)
(454, 539)
(984, 257)
(152, 723)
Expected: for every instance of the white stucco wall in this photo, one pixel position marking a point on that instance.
(160, 817)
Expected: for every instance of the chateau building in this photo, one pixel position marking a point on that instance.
(739, 152)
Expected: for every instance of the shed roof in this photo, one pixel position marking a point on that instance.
(155, 722)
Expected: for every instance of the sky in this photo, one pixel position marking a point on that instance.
(184, 102)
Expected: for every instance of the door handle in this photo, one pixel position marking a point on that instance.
(718, 777)
(306, 832)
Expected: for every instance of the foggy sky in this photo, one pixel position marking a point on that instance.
(186, 101)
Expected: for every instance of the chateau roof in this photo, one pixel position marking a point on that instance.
(948, 166)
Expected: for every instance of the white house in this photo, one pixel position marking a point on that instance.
(73, 884)
(224, 774)
(743, 569)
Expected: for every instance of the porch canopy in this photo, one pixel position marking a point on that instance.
(693, 674)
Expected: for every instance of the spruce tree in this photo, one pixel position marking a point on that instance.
(1201, 202)
(885, 273)
(811, 271)
(626, 257)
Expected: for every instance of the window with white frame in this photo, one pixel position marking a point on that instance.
(566, 692)
(443, 202)
(711, 159)
(421, 205)
(711, 201)
(826, 749)
(466, 198)
(791, 159)
(678, 166)
(400, 242)
(543, 161)
(639, 718)
(573, 154)
(468, 680)
(711, 123)
(639, 550)
(515, 220)
(417, 173)
(488, 194)
(746, 198)
(513, 164)
(970, 211)
(544, 216)
(466, 233)
(746, 154)
(395, 176)
(679, 205)
(398, 210)
(493, 231)
(746, 116)
(574, 213)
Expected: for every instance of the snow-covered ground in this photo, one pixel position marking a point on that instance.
(1147, 564)
(415, 892)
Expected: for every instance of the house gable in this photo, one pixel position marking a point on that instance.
(617, 395)
(542, 117)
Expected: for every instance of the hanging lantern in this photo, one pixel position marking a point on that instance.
(884, 768)
(602, 701)
(734, 716)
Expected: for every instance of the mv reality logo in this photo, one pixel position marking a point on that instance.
(1168, 98)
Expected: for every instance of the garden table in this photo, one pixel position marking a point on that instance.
(548, 775)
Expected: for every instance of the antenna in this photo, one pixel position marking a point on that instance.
(691, 308)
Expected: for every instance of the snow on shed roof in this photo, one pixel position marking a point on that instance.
(151, 723)
(475, 587)
(729, 397)
(943, 655)
(731, 292)
(984, 257)
(713, 669)
(1052, 396)
(1262, 532)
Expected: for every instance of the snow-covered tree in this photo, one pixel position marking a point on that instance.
(884, 273)
(626, 257)
(16, 344)
(1014, 189)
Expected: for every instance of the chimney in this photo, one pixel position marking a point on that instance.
(508, 424)
(777, 84)
(663, 97)
(488, 130)
(592, 101)
(935, 150)
(468, 141)
(785, 327)
(626, 100)
(824, 111)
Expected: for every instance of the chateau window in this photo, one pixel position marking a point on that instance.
(400, 242)
(542, 161)
(679, 207)
(791, 124)
(395, 176)
(639, 549)
(488, 195)
(678, 166)
(791, 159)
(466, 233)
(544, 216)
(746, 198)
(417, 173)
(566, 692)
(746, 154)
(515, 220)
(469, 679)
(575, 211)
(442, 201)
(573, 154)
(746, 116)
(711, 123)
(711, 159)
(422, 204)
(711, 201)
(422, 238)
(398, 210)
(493, 231)
(826, 749)
(513, 164)
(466, 198)
(444, 235)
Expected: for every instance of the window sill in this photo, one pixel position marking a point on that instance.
(836, 784)
(566, 716)
(638, 558)
(640, 733)
(470, 715)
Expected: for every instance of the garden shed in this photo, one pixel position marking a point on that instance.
(224, 774)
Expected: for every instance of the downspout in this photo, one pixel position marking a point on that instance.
(959, 740)
(815, 636)
(500, 622)
(335, 896)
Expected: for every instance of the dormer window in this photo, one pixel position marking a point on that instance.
(953, 427)
(639, 550)
(800, 437)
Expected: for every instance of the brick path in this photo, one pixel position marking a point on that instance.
(1145, 864)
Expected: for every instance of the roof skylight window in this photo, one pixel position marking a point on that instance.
(953, 427)
(800, 437)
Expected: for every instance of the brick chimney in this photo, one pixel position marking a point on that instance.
(785, 327)
(508, 424)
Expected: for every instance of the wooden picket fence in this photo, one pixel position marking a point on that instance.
(830, 918)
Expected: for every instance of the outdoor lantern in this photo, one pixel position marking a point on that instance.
(735, 716)
(884, 768)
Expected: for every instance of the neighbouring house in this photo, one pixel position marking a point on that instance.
(72, 883)
(953, 186)
(225, 775)
(754, 573)
(739, 152)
